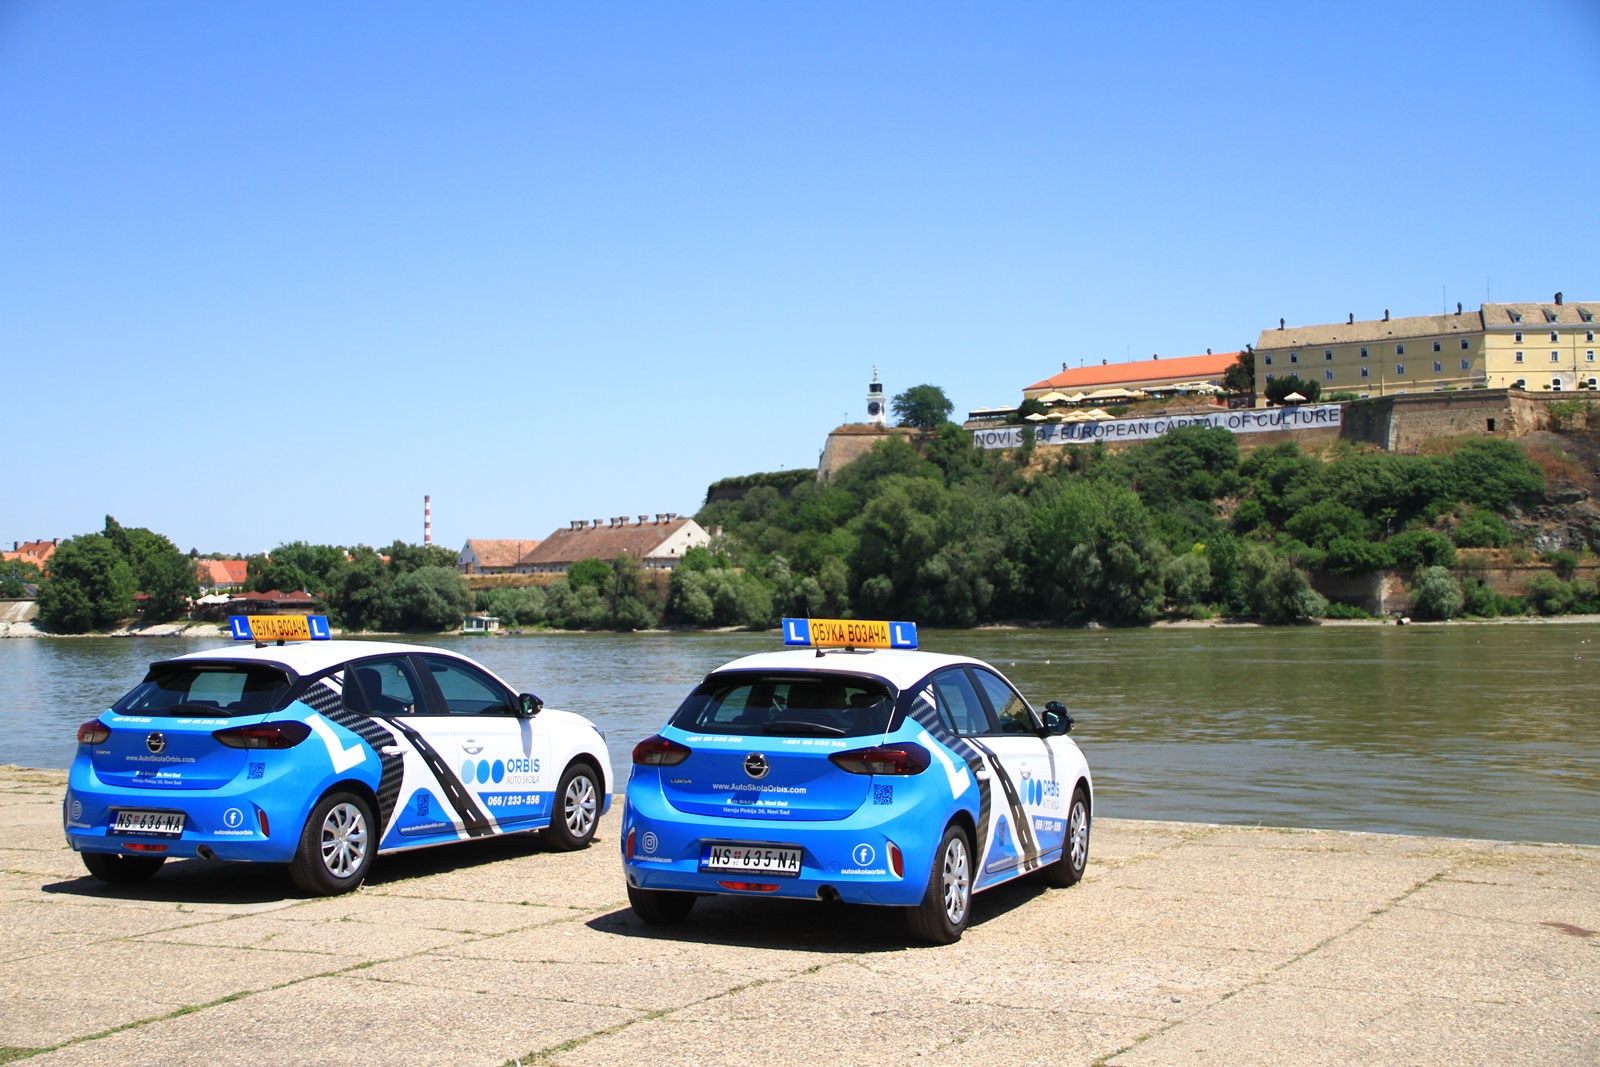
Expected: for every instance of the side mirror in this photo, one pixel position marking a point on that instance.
(530, 705)
(1056, 719)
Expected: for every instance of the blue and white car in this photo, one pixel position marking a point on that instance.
(321, 754)
(869, 773)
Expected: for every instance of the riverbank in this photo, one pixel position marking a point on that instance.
(1185, 944)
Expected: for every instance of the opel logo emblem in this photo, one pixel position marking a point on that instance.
(156, 742)
(756, 766)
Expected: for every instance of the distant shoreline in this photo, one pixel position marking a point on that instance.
(217, 631)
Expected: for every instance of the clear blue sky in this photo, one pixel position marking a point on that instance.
(272, 271)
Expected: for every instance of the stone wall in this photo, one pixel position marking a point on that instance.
(848, 443)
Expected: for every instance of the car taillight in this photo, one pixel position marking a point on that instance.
(265, 735)
(93, 732)
(883, 759)
(658, 751)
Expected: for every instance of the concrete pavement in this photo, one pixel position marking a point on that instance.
(1185, 944)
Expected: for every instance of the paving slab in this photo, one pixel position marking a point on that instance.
(347, 1020)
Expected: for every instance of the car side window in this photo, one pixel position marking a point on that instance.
(959, 703)
(1010, 709)
(466, 690)
(383, 687)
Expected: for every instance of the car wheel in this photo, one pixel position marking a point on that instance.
(577, 813)
(659, 907)
(119, 869)
(1068, 870)
(947, 904)
(336, 846)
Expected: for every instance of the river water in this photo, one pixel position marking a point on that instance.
(1488, 730)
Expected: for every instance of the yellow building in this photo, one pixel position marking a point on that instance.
(1530, 346)
(1541, 346)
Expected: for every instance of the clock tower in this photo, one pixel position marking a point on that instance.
(877, 408)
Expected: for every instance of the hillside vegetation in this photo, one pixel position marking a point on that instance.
(1179, 526)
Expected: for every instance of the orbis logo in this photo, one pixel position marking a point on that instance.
(522, 766)
(1044, 793)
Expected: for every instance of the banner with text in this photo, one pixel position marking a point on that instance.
(1302, 417)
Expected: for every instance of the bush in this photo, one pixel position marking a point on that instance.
(1338, 610)
(1438, 595)
(1278, 591)
(1549, 595)
(430, 598)
(1563, 561)
(1481, 529)
(1585, 597)
(1422, 548)
(1478, 599)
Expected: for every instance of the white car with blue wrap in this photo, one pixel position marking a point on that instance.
(857, 770)
(321, 754)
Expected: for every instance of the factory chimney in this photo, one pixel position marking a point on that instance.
(427, 519)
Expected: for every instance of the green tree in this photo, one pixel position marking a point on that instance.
(168, 581)
(624, 595)
(359, 595)
(90, 587)
(430, 599)
(1439, 595)
(1279, 388)
(1094, 555)
(1277, 590)
(513, 605)
(1240, 378)
(925, 406)
(585, 572)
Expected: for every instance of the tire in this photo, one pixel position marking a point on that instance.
(336, 846)
(119, 869)
(947, 904)
(1068, 870)
(659, 907)
(577, 809)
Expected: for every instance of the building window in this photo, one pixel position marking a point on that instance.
(1399, 368)
(1549, 316)
(1516, 316)
(1399, 350)
(1519, 337)
(1267, 359)
(1363, 353)
(1269, 377)
(1327, 353)
(1466, 364)
(1364, 371)
(1519, 357)
(1520, 383)
(1463, 344)
(1437, 366)
(1555, 357)
(1590, 338)
(1327, 375)
(1294, 357)
(1436, 346)
(1554, 337)
(1588, 357)
(1555, 383)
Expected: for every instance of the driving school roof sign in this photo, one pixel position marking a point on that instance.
(1297, 417)
(849, 633)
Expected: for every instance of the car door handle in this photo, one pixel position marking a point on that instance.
(981, 774)
(390, 750)
(471, 746)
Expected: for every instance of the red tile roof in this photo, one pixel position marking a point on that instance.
(35, 552)
(1183, 368)
(500, 553)
(605, 542)
(220, 571)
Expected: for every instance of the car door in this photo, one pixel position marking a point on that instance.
(1028, 768)
(504, 758)
(433, 802)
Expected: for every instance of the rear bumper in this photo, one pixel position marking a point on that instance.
(228, 821)
(849, 858)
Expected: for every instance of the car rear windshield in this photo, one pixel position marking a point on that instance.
(179, 690)
(787, 705)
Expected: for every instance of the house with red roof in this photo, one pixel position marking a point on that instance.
(37, 553)
(1147, 375)
(220, 575)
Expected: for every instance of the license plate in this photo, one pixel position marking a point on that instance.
(169, 823)
(764, 859)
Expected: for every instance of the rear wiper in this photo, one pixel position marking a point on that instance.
(796, 726)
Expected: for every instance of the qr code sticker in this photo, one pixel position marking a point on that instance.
(258, 770)
(883, 794)
(422, 804)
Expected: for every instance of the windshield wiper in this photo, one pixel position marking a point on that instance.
(796, 726)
